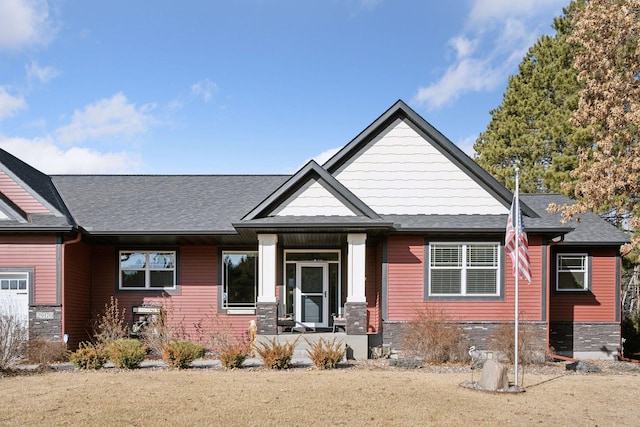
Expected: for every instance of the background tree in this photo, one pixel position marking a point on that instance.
(608, 62)
(531, 129)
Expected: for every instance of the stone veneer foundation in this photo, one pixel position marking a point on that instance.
(45, 321)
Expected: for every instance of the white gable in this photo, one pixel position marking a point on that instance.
(313, 200)
(402, 173)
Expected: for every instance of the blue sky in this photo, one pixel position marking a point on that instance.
(255, 86)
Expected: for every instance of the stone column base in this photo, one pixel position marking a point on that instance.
(267, 318)
(356, 314)
(45, 321)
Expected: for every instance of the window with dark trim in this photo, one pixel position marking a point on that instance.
(239, 279)
(572, 272)
(147, 270)
(464, 269)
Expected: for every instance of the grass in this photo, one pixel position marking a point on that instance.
(303, 396)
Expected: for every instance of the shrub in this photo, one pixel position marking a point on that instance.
(158, 333)
(13, 340)
(432, 339)
(531, 346)
(180, 354)
(89, 356)
(233, 354)
(44, 352)
(126, 353)
(326, 354)
(275, 355)
(110, 325)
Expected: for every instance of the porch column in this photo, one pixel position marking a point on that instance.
(356, 305)
(266, 307)
(356, 261)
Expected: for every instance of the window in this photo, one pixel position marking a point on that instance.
(571, 272)
(464, 269)
(239, 279)
(149, 270)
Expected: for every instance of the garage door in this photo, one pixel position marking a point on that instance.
(14, 295)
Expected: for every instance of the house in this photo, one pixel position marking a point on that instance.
(398, 221)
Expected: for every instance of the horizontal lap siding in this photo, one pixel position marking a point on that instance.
(77, 292)
(39, 253)
(406, 284)
(600, 304)
(192, 308)
(19, 196)
(372, 288)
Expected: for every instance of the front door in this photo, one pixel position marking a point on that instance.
(311, 294)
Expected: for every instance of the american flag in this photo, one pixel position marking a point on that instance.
(523, 246)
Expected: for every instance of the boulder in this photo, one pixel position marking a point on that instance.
(494, 376)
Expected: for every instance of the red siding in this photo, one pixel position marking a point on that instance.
(37, 252)
(20, 196)
(406, 287)
(194, 305)
(373, 287)
(77, 292)
(600, 304)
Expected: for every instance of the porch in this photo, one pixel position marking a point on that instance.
(314, 287)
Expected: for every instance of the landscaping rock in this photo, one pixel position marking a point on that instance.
(494, 376)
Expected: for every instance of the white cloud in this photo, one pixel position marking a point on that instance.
(42, 75)
(325, 155)
(495, 39)
(24, 22)
(467, 75)
(466, 145)
(206, 88)
(463, 46)
(9, 104)
(44, 155)
(111, 117)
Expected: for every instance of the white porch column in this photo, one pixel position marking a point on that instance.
(267, 258)
(356, 262)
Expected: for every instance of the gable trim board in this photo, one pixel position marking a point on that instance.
(377, 185)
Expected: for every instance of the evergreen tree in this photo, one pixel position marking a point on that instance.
(531, 129)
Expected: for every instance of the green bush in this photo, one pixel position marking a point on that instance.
(275, 355)
(126, 353)
(326, 354)
(89, 356)
(232, 355)
(180, 354)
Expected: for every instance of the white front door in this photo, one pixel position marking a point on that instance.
(311, 304)
(14, 296)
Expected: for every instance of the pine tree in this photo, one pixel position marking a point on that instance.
(531, 128)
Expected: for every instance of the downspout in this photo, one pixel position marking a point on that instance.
(551, 244)
(64, 245)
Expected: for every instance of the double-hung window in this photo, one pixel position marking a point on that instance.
(239, 279)
(147, 270)
(464, 269)
(572, 272)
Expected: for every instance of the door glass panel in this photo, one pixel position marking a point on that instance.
(312, 309)
(311, 279)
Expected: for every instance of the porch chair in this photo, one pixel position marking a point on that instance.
(339, 321)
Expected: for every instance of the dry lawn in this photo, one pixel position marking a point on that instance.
(306, 397)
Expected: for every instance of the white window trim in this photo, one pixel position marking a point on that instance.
(239, 309)
(586, 285)
(147, 270)
(463, 277)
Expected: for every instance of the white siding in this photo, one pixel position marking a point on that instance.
(313, 201)
(402, 173)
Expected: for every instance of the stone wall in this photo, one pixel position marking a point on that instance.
(45, 321)
(267, 318)
(477, 334)
(356, 314)
(585, 340)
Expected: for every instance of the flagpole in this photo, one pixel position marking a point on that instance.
(517, 269)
